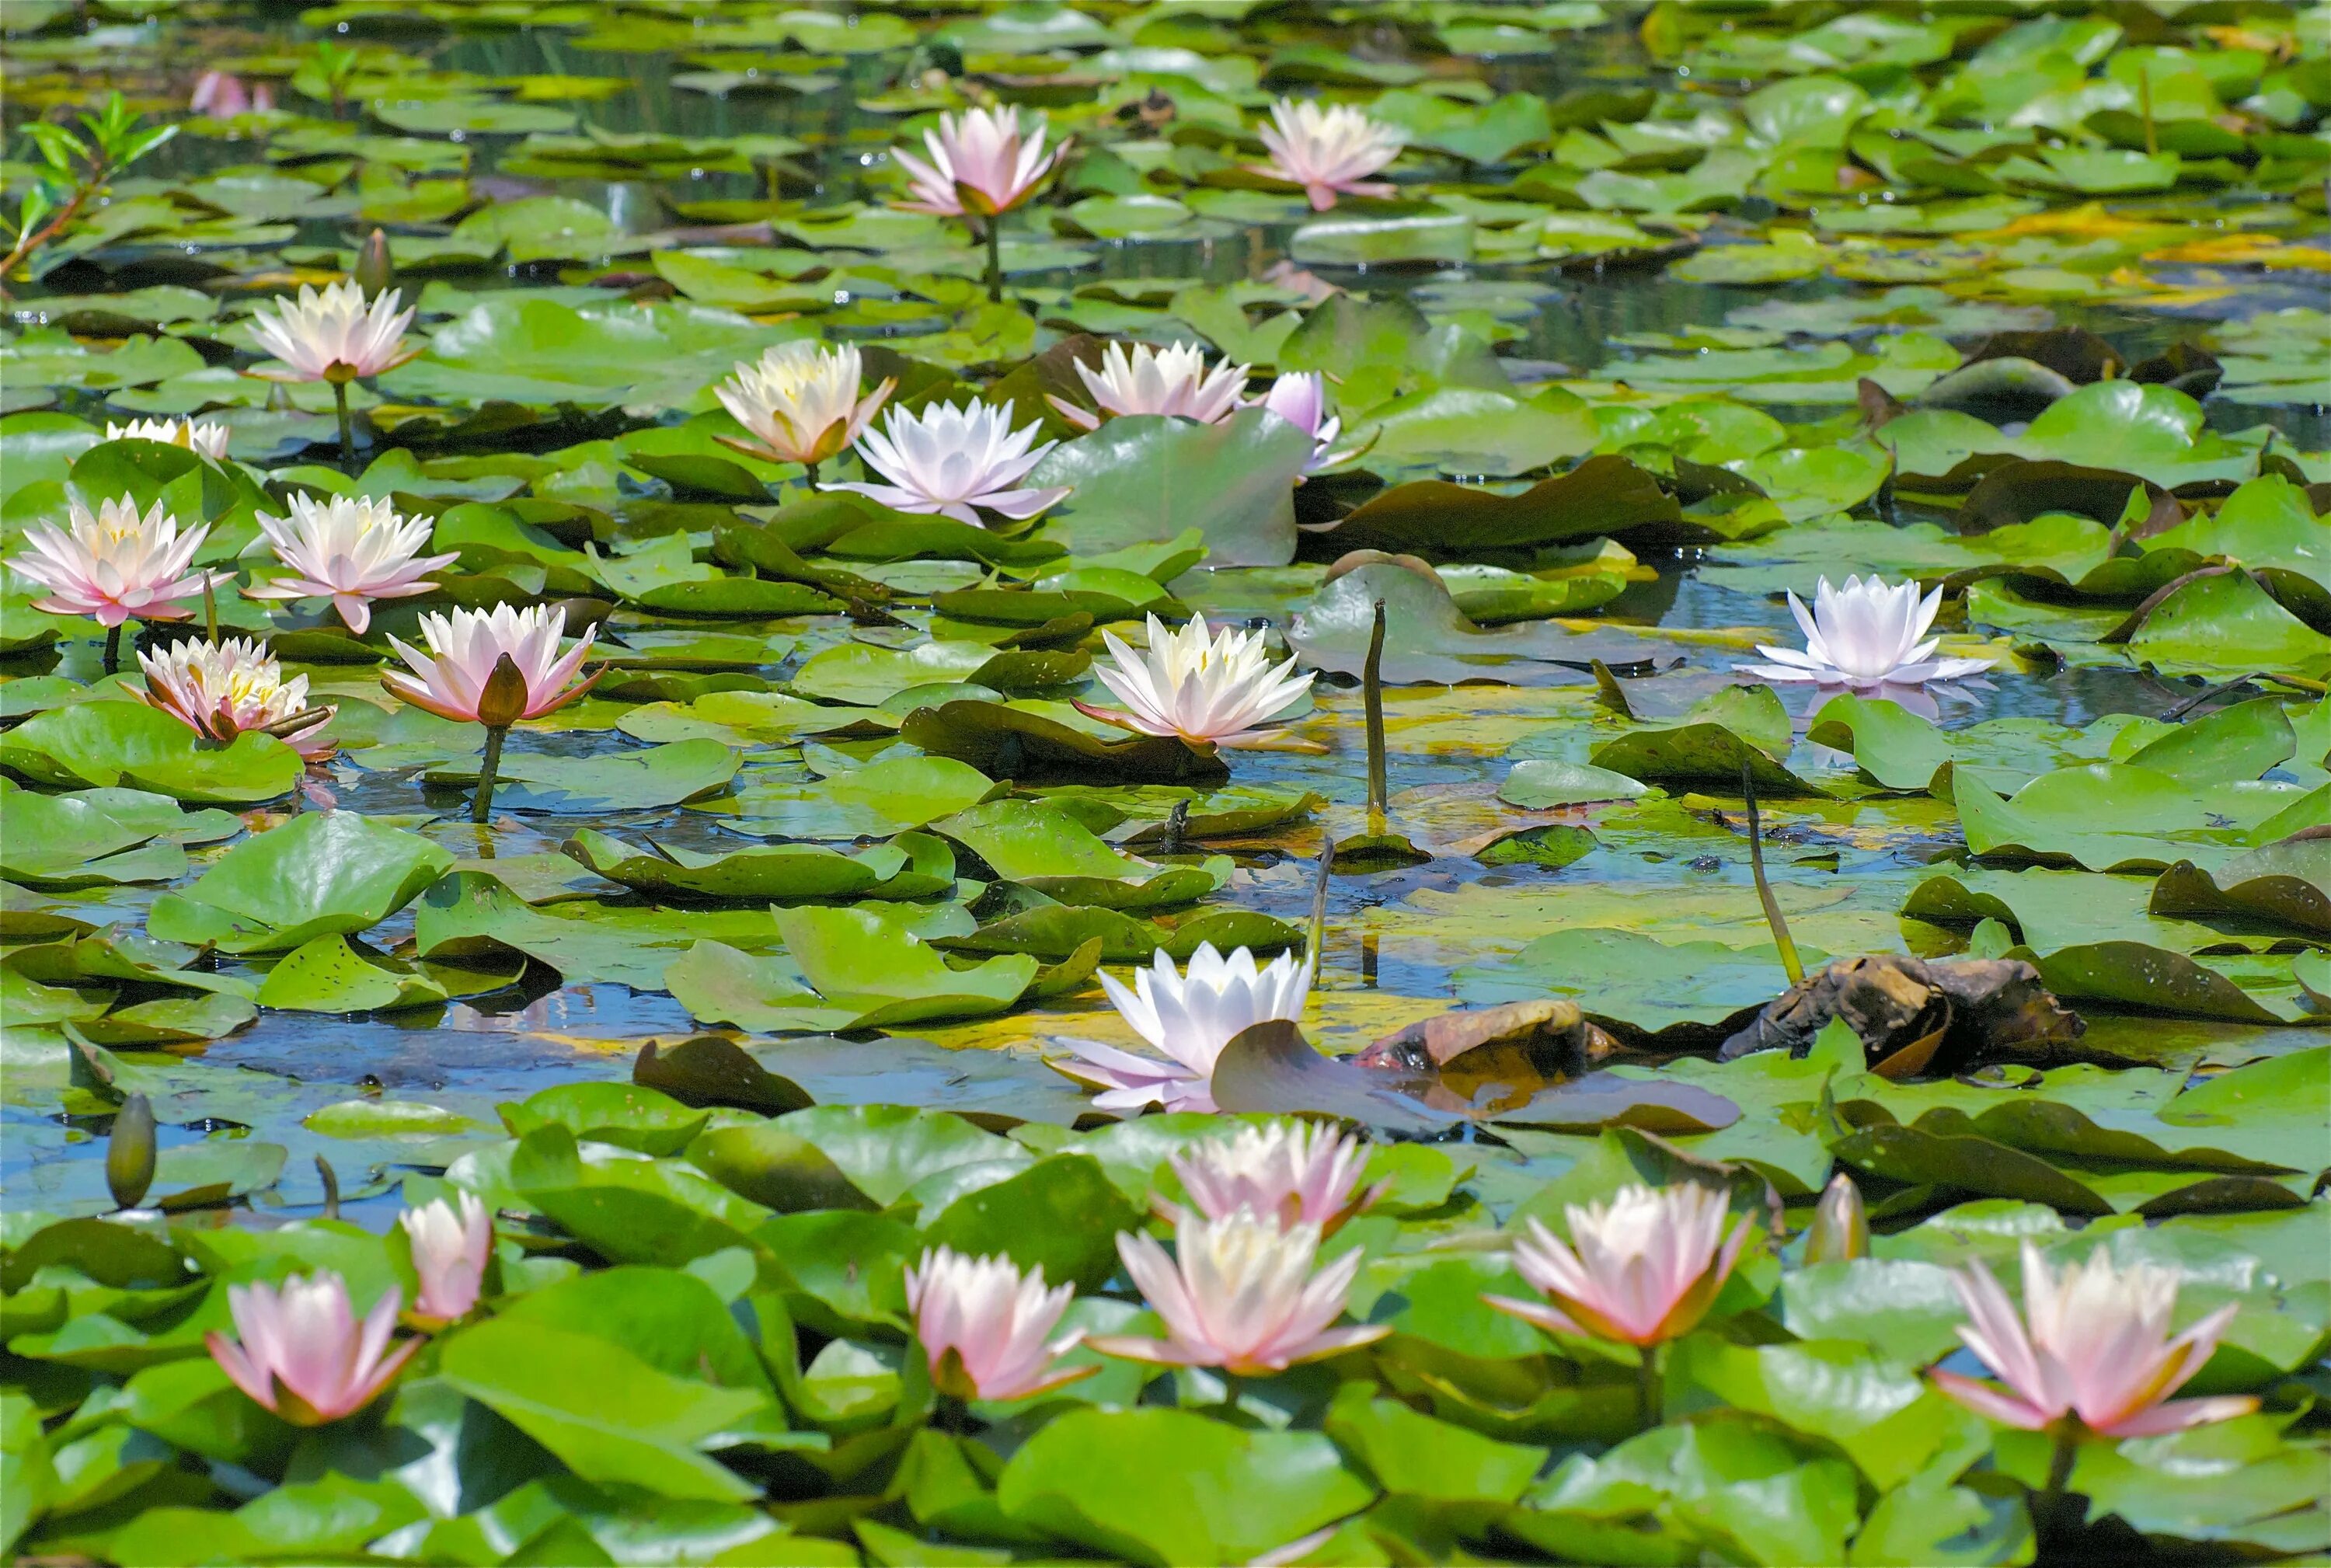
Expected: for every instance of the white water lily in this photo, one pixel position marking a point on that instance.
(984, 1325)
(1864, 635)
(953, 462)
(1329, 152)
(1141, 379)
(1641, 1269)
(332, 336)
(1190, 1017)
(800, 402)
(351, 549)
(1209, 688)
(204, 436)
(221, 690)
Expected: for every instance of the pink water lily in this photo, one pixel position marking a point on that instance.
(1329, 152)
(351, 549)
(220, 95)
(332, 336)
(1173, 380)
(302, 1353)
(954, 462)
(1242, 1296)
(219, 690)
(1298, 1173)
(451, 1242)
(984, 1326)
(980, 164)
(2091, 1353)
(1646, 1266)
(1190, 1018)
(450, 679)
(1300, 398)
(114, 565)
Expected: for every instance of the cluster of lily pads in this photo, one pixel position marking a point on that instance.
(1725, 946)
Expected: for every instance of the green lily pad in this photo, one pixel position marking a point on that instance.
(320, 874)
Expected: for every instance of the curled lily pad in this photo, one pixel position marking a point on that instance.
(1602, 495)
(1040, 739)
(858, 959)
(912, 866)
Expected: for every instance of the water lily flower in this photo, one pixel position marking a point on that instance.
(220, 95)
(1189, 1017)
(114, 565)
(333, 337)
(1841, 1227)
(954, 460)
(1329, 152)
(2092, 1352)
(1242, 1296)
(1144, 380)
(207, 437)
(982, 1324)
(800, 403)
(981, 166)
(449, 1244)
(221, 690)
(493, 666)
(1865, 635)
(1303, 1173)
(1210, 688)
(1300, 398)
(351, 549)
(303, 1355)
(1647, 1265)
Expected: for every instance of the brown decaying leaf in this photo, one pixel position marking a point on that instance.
(1915, 1017)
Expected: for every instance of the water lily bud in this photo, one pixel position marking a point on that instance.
(1840, 1226)
(129, 1154)
(503, 701)
(372, 271)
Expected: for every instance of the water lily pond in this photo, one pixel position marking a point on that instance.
(1198, 782)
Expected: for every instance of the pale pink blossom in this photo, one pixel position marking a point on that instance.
(450, 679)
(220, 95)
(953, 462)
(1298, 1173)
(980, 164)
(205, 437)
(2097, 1350)
(221, 690)
(351, 549)
(449, 1244)
(1647, 1266)
(1866, 636)
(1242, 1296)
(983, 1327)
(1173, 380)
(303, 1355)
(1189, 1018)
(114, 565)
(800, 403)
(332, 336)
(1208, 688)
(1300, 398)
(1329, 152)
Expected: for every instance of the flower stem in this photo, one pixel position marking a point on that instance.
(347, 436)
(1793, 965)
(113, 648)
(1372, 701)
(995, 260)
(809, 474)
(1647, 1400)
(2048, 1508)
(484, 802)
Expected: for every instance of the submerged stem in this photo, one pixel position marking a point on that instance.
(809, 473)
(2047, 1507)
(1372, 701)
(485, 797)
(1793, 966)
